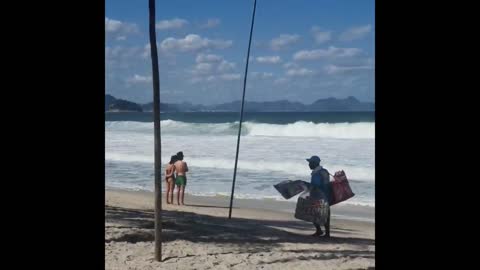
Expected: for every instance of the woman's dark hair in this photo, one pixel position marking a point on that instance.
(173, 159)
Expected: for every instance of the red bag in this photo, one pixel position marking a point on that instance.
(341, 190)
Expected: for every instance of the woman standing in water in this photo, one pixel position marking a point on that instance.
(170, 178)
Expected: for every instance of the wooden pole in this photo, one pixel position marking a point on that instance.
(157, 138)
(241, 111)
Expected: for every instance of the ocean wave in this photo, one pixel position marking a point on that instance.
(291, 168)
(365, 130)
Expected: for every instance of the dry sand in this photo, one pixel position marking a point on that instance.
(260, 235)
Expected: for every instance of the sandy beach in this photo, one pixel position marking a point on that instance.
(262, 234)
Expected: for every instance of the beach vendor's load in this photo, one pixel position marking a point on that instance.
(289, 188)
(341, 190)
(312, 208)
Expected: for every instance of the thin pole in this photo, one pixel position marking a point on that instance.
(241, 112)
(156, 123)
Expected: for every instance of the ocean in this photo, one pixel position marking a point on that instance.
(273, 148)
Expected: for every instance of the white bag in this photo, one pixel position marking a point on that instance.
(312, 209)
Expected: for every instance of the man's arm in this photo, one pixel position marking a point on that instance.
(186, 167)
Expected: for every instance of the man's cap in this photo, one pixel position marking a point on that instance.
(315, 159)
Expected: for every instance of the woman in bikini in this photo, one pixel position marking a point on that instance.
(170, 179)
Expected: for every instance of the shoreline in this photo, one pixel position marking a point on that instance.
(339, 212)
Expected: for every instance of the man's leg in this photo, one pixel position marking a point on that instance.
(319, 230)
(183, 195)
(178, 194)
(327, 225)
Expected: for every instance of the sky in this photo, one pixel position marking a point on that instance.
(302, 50)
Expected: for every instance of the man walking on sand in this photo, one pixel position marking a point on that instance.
(181, 169)
(320, 188)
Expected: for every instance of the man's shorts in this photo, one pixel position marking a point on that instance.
(181, 180)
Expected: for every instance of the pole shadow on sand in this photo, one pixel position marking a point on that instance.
(132, 225)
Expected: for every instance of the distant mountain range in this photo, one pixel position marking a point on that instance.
(321, 105)
(114, 104)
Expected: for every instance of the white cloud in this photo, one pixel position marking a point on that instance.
(140, 79)
(211, 64)
(355, 33)
(194, 80)
(230, 77)
(226, 66)
(146, 50)
(299, 72)
(321, 36)
(208, 58)
(211, 23)
(333, 69)
(193, 42)
(213, 78)
(262, 75)
(331, 52)
(175, 23)
(112, 25)
(203, 68)
(269, 59)
(121, 52)
(281, 80)
(119, 30)
(214, 62)
(283, 41)
(290, 65)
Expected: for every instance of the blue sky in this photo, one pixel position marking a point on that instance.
(301, 50)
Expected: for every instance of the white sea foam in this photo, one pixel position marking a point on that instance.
(269, 153)
(297, 129)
